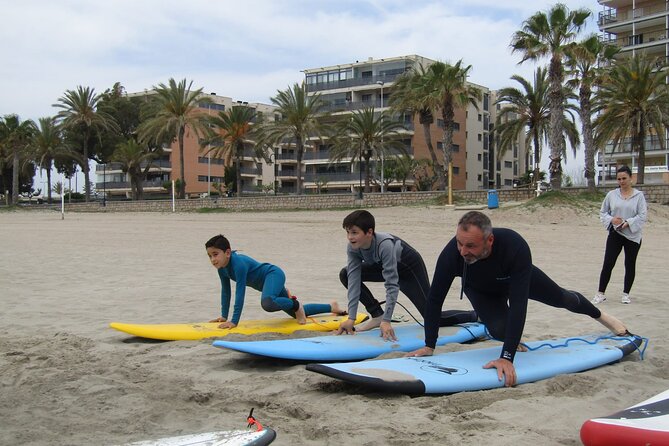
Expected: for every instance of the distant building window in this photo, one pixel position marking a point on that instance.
(480, 137)
(479, 157)
(456, 126)
(455, 147)
(366, 98)
(480, 117)
(479, 177)
(456, 170)
(508, 164)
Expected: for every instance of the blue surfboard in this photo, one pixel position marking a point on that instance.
(463, 371)
(364, 345)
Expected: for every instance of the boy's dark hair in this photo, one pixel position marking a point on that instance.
(360, 218)
(478, 219)
(218, 241)
(624, 168)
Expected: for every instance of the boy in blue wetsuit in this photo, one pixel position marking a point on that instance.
(380, 257)
(498, 278)
(269, 279)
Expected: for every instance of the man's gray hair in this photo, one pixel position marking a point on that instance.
(478, 219)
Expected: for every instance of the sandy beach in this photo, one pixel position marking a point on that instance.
(68, 379)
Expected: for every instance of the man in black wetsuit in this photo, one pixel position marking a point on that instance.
(498, 278)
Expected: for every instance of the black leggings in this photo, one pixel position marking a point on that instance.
(494, 310)
(413, 282)
(614, 244)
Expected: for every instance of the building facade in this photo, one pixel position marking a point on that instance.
(354, 86)
(203, 171)
(636, 26)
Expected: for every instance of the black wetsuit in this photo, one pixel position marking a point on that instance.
(499, 287)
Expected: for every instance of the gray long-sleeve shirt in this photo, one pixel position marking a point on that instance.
(385, 250)
(632, 209)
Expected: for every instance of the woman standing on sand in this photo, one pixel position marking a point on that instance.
(623, 214)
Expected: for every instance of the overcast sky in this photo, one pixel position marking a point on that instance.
(247, 49)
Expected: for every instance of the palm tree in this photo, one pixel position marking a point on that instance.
(15, 139)
(136, 161)
(365, 134)
(80, 115)
(229, 133)
(447, 89)
(585, 62)
(526, 111)
(47, 146)
(176, 108)
(300, 119)
(409, 95)
(547, 34)
(633, 104)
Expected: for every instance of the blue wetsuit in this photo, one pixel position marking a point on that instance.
(499, 287)
(269, 279)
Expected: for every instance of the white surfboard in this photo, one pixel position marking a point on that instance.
(220, 438)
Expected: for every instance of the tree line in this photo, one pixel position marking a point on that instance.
(618, 100)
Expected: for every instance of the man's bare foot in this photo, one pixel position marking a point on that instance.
(336, 309)
(613, 324)
(369, 324)
(300, 315)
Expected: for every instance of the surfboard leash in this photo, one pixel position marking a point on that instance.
(640, 348)
(253, 422)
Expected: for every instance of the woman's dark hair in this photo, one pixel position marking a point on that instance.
(624, 169)
(218, 241)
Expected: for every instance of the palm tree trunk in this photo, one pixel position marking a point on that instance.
(182, 170)
(447, 114)
(299, 155)
(86, 168)
(641, 165)
(435, 161)
(48, 182)
(367, 170)
(537, 156)
(555, 134)
(588, 140)
(15, 176)
(238, 163)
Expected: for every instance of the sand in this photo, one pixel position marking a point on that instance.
(66, 378)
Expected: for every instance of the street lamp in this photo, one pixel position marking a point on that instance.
(104, 185)
(360, 169)
(208, 159)
(382, 149)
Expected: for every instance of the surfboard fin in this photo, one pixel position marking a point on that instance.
(253, 422)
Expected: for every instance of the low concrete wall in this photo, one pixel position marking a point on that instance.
(654, 194)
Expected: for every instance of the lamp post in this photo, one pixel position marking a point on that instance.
(382, 148)
(104, 185)
(360, 170)
(208, 159)
(272, 157)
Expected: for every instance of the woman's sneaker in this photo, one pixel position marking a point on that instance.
(626, 299)
(599, 298)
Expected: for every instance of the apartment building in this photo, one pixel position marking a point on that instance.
(202, 171)
(353, 86)
(636, 26)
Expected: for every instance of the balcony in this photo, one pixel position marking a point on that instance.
(157, 164)
(252, 171)
(613, 18)
(386, 77)
(642, 40)
(332, 177)
(111, 185)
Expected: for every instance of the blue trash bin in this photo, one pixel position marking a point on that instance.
(493, 199)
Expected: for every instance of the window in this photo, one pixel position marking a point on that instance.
(455, 147)
(480, 137)
(479, 157)
(478, 177)
(456, 127)
(456, 170)
(480, 117)
(508, 164)
(366, 98)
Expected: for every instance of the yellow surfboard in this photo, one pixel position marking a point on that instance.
(202, 330)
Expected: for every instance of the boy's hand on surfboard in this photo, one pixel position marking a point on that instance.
(387, 332)
(227, 324)
(505, 371)
(423, 351)
(218, 319)
(346, 327)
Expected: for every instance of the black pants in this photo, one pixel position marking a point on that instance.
(494, 310)
(413, 282)
(614, 244)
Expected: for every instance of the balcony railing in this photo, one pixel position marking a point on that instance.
(613, 16)
(386, 77)
(652, 144)
(625, 41)
(126, 184)
(332, 176)
(117, 166)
